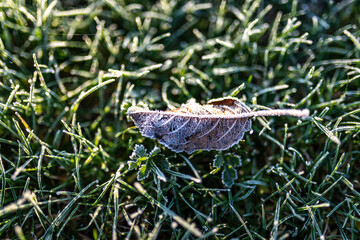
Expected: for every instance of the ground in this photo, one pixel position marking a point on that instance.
(74, 166)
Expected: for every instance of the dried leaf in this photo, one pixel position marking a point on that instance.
(217, 125)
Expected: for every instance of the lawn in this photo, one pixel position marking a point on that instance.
(74, 166)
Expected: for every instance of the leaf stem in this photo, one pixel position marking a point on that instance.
(264, 113)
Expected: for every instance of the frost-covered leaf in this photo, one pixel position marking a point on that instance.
(133, 164)
(144, 172)
(217, 125)
(155, 151)
(235, 160)
(138, 155)
(229, 175)
(229, 161)
(143, 161)
(138, 152)
(218, 161)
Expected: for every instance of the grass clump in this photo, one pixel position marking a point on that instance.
(73, 166)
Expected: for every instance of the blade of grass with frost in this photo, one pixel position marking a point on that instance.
(197, 175)
(110, 198)
(39, 167)
(61, 216)
(10, 99)
(66, 221)
(116, 211)
(319, 196)
(31, 197)
(3, 183)
(83, 95)
(48, 91)
(182, 175)
(274, 230)
(243, 223)
(327, 132)
(280, 190)
(176, 217)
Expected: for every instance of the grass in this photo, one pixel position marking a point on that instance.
(73, 166)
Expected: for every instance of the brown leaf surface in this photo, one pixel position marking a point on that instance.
(217, 125)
